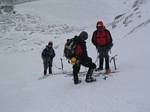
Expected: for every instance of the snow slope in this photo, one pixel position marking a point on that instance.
(74, 12)
(21, 64)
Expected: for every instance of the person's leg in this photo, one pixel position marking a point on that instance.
(76, 69)
(107, 68)
(50, 66)
(45, 65)
(50, 69)
(88, 63)
(101, 59)
(107, 62)
(91, 67)
(101, 62)
(45, 68)
(89, 74)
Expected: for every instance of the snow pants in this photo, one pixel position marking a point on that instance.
(103, 55)
(87, 63)
(47, 63)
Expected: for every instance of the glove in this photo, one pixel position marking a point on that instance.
(109, 46)
(73, 60)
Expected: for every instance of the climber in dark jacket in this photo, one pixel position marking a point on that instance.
(82, 59)
(47, 56)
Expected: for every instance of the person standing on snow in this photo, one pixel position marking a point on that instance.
(47, 55)
(81, 58)
(103, 42)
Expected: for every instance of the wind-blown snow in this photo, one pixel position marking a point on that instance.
(21, 64)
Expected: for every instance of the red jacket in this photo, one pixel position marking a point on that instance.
(101, 38)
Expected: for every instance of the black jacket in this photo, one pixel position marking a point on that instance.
(81, 42)
(48, 53)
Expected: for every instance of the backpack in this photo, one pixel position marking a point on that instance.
(102, 38)
(69, 49)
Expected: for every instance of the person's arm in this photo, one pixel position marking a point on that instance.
(109, 35)
(44, 52)
(53, 53)
(93, 38)
(109, 46)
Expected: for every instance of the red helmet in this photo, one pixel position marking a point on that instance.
(100, 24)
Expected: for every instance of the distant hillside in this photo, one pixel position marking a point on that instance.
(14, 2)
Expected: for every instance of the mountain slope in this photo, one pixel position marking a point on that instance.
(21, 64)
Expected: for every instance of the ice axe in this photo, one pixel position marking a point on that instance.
(114, 61)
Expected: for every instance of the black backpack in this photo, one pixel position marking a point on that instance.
(69, 49)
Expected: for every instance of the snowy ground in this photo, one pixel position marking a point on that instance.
(21, 64)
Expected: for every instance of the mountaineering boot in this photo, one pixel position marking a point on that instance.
(77, 81)
(101, 61)
(89, 77)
